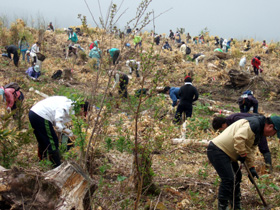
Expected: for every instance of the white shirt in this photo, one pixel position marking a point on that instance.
(55, 109)
(242, 62)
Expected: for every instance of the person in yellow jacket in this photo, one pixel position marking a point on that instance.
(238, 142)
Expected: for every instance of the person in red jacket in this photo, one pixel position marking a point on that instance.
(256, 63)
(11, 97)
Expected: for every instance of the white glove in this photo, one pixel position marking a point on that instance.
(59, 126)
(9, 109)
(68, 132)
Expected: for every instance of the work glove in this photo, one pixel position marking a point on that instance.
(267, 158)
(9, 109)
(242, 158)
(68, 132)
(59, 127)
(254, 174)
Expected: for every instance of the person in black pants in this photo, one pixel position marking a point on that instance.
(238, 143)
(12, 49)
(188, 94)
(121, 79)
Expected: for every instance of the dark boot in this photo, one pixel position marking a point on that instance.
(222, 204)
(55, 158)
(237, 203)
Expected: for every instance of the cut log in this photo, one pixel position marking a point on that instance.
(191, 141)
(63, 188)
(238, 78)
(222, 55)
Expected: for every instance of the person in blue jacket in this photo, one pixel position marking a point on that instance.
(114, 53)
(95, 52)
(173, 93)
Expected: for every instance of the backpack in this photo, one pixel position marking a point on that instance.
(57, 74)
(13, 85)
(188, 50)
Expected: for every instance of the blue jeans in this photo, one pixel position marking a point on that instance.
(23, 56)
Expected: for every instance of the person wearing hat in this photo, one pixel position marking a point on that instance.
(114, 53)
(12, 97)
(238, 143)
(173, 93)
(246, 101)
(51, 112)
(95, 53)
(221, 123)
(12, 49)
(133, 65)
(188, 94)
(33, 72)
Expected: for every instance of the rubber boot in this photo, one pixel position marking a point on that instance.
(55, 158)
(222, 204)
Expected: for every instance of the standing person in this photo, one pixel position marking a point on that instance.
(228, 44)
(256, 63)
(224, 45)
(242, 63)
(173, 92)
(183, 49)
(34, 49)
(51, 112)
(23, 47)
(51, 26)
(133, 65)
(12, 49)
(246, 101)
(188, 94)
(221, 42)
(95, 53)
(128, 30)
(178, 37)
(12, 97)
(121, 79)
(171, 35)
(188, 38)
(216, 41)
(238, 142)
(114, 53)
(221, 123)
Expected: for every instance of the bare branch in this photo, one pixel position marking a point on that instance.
(120, 16)
(91, 14)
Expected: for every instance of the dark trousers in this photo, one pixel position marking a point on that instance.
(228, 171)
(136, 71)
(256, 70)
(123, 86)
(244, 108)
(183, 108)
(46, 137)
(115, 57)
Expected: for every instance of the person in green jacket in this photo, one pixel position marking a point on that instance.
(72, 36)
(238, 142)
(137, 40)
(95, 53)
(114, 53)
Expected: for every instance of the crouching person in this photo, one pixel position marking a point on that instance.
(238, 143)
(51, 112)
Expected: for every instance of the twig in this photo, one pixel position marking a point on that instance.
(91, 14)
(158, 200)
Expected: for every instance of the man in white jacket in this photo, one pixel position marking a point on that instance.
(52, 111)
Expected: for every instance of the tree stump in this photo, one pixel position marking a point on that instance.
(222, 55)
(67, 74)
(238, 78)
(63, 188)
